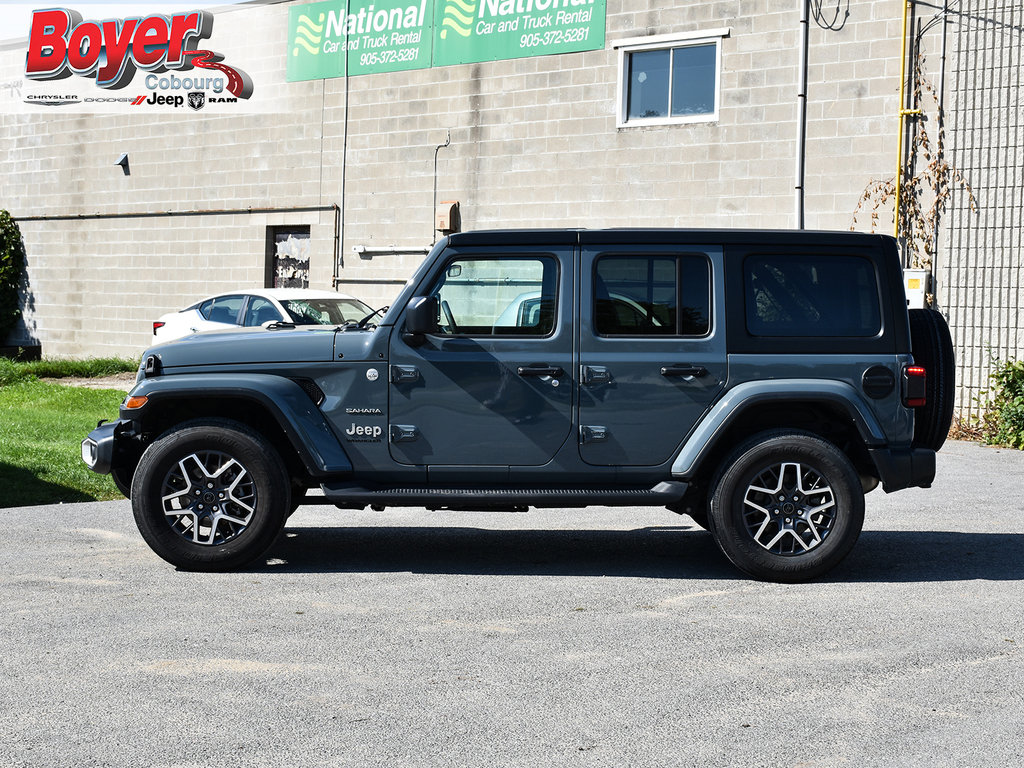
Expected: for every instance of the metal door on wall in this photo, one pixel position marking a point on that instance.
(288, 251)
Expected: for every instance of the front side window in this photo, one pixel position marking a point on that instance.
(325, 311)
(260, 311)
(666, 82)
(646, 295)
(800, 295)
(500, 296)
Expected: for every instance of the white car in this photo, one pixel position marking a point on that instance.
(255, 307)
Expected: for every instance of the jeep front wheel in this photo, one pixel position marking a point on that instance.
(210, 496)
(787, 507)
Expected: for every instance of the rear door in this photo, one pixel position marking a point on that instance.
(652, 353)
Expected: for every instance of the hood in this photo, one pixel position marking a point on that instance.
(247, 345)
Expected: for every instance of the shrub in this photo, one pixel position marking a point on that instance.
(12, 268)
(1002, 422)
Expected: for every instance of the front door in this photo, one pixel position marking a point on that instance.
(652, 357)
(493, 387)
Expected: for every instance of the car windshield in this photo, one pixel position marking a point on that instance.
(324, 311)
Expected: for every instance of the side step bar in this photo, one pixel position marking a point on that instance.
(353, 495)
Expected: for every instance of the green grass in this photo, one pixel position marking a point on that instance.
(11, 372)
(41, 431)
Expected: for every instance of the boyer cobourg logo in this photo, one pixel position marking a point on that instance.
(112, 51)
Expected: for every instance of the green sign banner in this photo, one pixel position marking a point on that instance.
(394, 35)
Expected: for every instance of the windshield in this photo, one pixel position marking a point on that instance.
(324, 311)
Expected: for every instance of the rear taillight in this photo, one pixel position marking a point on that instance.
(157, 326)
(914, 392)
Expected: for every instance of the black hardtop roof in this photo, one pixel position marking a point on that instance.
(653, 235)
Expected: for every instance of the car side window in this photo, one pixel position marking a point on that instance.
(806, 295)
(647, 295)
(498, 296)
(222, 309)
(260, 311)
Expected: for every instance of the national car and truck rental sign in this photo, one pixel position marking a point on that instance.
(335, 38)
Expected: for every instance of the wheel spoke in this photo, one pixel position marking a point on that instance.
(234, 520)
(789, 508)
(208, 498)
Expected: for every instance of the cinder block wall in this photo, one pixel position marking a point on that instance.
(534, 143)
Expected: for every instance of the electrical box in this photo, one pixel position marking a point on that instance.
(915, 284)
(446, 217)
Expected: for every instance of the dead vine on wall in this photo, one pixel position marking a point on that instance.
(926, 192)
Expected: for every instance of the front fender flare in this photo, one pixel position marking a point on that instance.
(294, 412)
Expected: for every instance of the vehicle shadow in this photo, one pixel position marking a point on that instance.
(655, 552)
(24, 487)
(675, 552)
(909, 556)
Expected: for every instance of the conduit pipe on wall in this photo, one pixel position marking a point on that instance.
(207, 212)
(801, 119)
(438, 148)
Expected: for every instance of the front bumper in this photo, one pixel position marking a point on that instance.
(899, 469)
(100, 449)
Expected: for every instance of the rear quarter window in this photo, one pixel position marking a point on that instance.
(806, 295)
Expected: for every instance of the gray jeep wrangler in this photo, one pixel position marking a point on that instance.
(759, 382)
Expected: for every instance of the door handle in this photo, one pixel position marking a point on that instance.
(684, 369)
(539, 369)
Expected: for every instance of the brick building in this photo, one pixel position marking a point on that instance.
(672, 113)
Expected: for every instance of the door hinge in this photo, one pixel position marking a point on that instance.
(404, 374)
(595, 374)
(404, 433)
(593, 434)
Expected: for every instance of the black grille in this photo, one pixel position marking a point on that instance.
(312, 390)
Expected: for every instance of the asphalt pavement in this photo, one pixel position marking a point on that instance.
(593, 637)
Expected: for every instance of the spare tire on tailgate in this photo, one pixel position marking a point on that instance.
(932, 348)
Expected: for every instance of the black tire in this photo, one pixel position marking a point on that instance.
(801, 536)
(227, 520)
(932, 347)
(122, 478)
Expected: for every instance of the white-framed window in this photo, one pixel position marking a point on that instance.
(665, 79)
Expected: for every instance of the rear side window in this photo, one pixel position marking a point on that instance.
(223, 309)
(647, 295)
(801, 295)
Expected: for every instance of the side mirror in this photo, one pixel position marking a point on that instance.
(421, 318)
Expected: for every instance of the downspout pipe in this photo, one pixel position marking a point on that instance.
(801, 119)
(902, 118)
(339, 214)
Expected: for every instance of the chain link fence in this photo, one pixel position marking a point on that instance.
(979, 283)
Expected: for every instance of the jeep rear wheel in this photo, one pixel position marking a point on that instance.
(787, 507)
(210, 496)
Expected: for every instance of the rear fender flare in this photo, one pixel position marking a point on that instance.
(743, 397)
